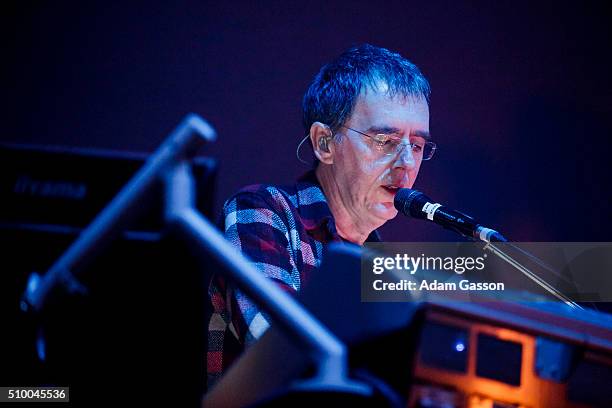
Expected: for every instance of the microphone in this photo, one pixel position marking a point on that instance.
(415, 204)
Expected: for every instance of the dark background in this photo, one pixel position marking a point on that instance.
(521, 105)
(521, 109)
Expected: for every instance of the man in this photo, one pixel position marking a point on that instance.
(367, 117)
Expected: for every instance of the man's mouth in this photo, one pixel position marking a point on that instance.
(391, 188)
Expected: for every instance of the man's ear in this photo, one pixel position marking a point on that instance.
(321, 138)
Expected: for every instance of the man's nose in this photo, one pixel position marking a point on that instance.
(405, 158)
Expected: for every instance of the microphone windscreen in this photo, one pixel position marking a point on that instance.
(404, 199)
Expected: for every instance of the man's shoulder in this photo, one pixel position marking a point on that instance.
(294, 204)
(261, 208)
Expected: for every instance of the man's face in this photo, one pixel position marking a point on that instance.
(367, 178)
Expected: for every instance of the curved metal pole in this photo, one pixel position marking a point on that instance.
(327, 350)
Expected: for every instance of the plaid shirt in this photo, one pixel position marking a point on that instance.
(282, 230)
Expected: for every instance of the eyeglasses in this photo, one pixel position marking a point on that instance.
(391, 145)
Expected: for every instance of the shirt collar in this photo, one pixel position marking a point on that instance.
(315, 212)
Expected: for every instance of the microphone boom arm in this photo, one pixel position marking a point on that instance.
(525, 271)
